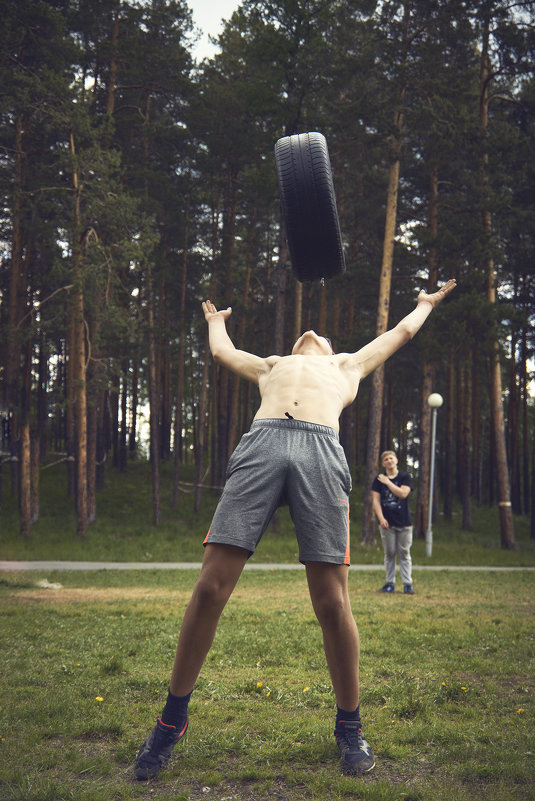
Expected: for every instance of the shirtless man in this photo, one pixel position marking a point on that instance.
(291, 455)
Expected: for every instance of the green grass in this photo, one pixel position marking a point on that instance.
(124, 530)
(447, 689)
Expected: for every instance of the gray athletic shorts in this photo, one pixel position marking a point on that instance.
(290, 462)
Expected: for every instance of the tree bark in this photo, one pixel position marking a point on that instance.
(507, 534)
(35, 453)
(449, 437)
(25, 492)
(422, 502)
(280, 302)
(79, 359)
(377, 389)
(466, 443)
(154, 423)
(383, 305)
(179, 408)
(240, 339)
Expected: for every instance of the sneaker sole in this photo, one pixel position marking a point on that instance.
(348, 771)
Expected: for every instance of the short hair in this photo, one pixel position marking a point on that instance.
(387, 453)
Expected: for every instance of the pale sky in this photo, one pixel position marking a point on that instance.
(207, 15)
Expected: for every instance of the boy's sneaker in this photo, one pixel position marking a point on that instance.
(388, 588)
(357, 756)
(408, 590)
(155, 752)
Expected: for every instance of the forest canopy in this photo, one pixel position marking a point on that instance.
(136, 182)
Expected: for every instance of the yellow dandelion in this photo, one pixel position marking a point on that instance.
(306, 689)
(519, 711)
(259, 684)
(99, 698)
(444, 684)
(268, 692)
(463, 689)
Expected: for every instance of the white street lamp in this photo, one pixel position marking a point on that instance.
(435, 401)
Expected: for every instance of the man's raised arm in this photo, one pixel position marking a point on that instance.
(378, 351)
(246, 365)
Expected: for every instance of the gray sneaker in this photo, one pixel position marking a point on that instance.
(155, 752)
(357, 756)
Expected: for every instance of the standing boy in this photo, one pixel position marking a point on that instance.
(390, 492)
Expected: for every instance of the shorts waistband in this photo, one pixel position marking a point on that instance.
(299, 425)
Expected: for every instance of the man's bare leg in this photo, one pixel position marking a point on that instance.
(221, 569)
(330, 599)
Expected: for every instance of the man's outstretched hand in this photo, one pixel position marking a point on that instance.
(210, 311)
(436, 297)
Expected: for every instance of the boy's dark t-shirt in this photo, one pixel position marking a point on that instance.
(396, 510)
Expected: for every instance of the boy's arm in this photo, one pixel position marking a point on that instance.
(378, 351)
(244, 364)
(402, 491)
(376, 503)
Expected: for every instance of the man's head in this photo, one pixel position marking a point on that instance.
(389, 459)
(312, 344)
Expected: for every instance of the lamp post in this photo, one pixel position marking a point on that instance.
(435, 401)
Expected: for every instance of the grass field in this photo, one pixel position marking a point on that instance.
(447, 675)
(447, 689)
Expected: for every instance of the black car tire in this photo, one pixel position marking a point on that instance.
(308, 206)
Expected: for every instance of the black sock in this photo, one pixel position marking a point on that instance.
(175, 710)
(345, 715)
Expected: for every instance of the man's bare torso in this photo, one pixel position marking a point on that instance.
(306, 387)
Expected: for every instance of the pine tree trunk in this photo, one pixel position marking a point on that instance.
(428, 374)
(25, 492)
(35, 453)
(69, 408)
(448, 437)
(132, 442)
(377, 388)
(201, 443)
(123, 432)
(422, 502)
(42, 398)
(79, 361)
(225, 386)
(298, 312)
(512, 431)
(476, 427)
(80, 407)
(280, 300)
(507, 534)
(234, 415)
(17, 291)
(525, 426)
(179, 409)
(322, 316)
(154, 423)
(92, 412)
(466, 444)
